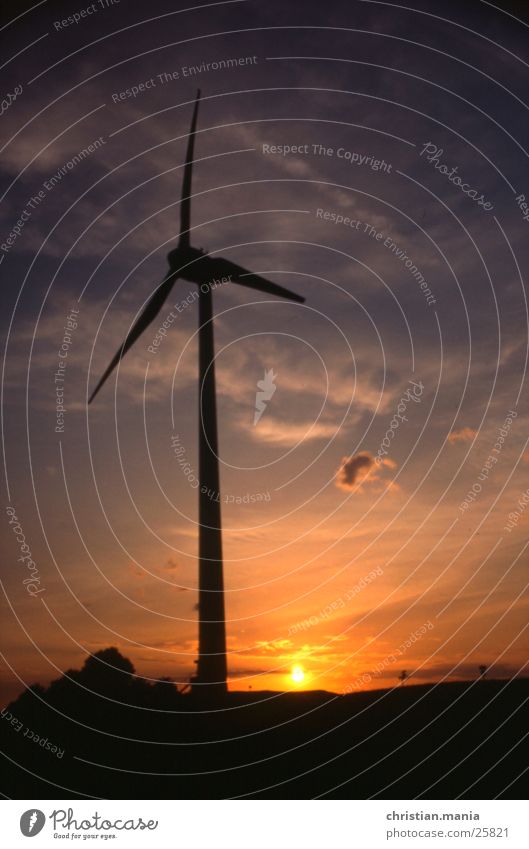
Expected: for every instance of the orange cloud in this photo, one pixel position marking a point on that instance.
(463, 435)
(283, 433)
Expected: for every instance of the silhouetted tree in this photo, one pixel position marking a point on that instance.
(403, 677)
(482, 670)
(107, 672)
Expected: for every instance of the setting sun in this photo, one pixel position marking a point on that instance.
(298, 674)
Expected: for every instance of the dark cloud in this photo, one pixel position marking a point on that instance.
(353, 468)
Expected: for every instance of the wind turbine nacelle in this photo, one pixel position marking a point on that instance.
(180, 258)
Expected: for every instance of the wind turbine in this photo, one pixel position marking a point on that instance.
(196, 266)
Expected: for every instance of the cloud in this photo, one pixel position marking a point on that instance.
(357, 469)
(353, 469)
(132, 368)
(273, 646)
(283, 433)
(463, 435)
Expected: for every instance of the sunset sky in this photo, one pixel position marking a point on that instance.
(108, 513)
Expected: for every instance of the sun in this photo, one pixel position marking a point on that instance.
(298, 674)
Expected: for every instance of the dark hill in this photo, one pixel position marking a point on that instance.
(102, 732)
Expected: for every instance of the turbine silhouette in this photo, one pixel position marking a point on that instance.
(195, 266)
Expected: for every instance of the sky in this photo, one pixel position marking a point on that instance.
(368, 156)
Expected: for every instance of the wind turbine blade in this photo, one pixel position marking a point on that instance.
(150, 312)
(225, 268)
(185, 208)
(253, 281)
